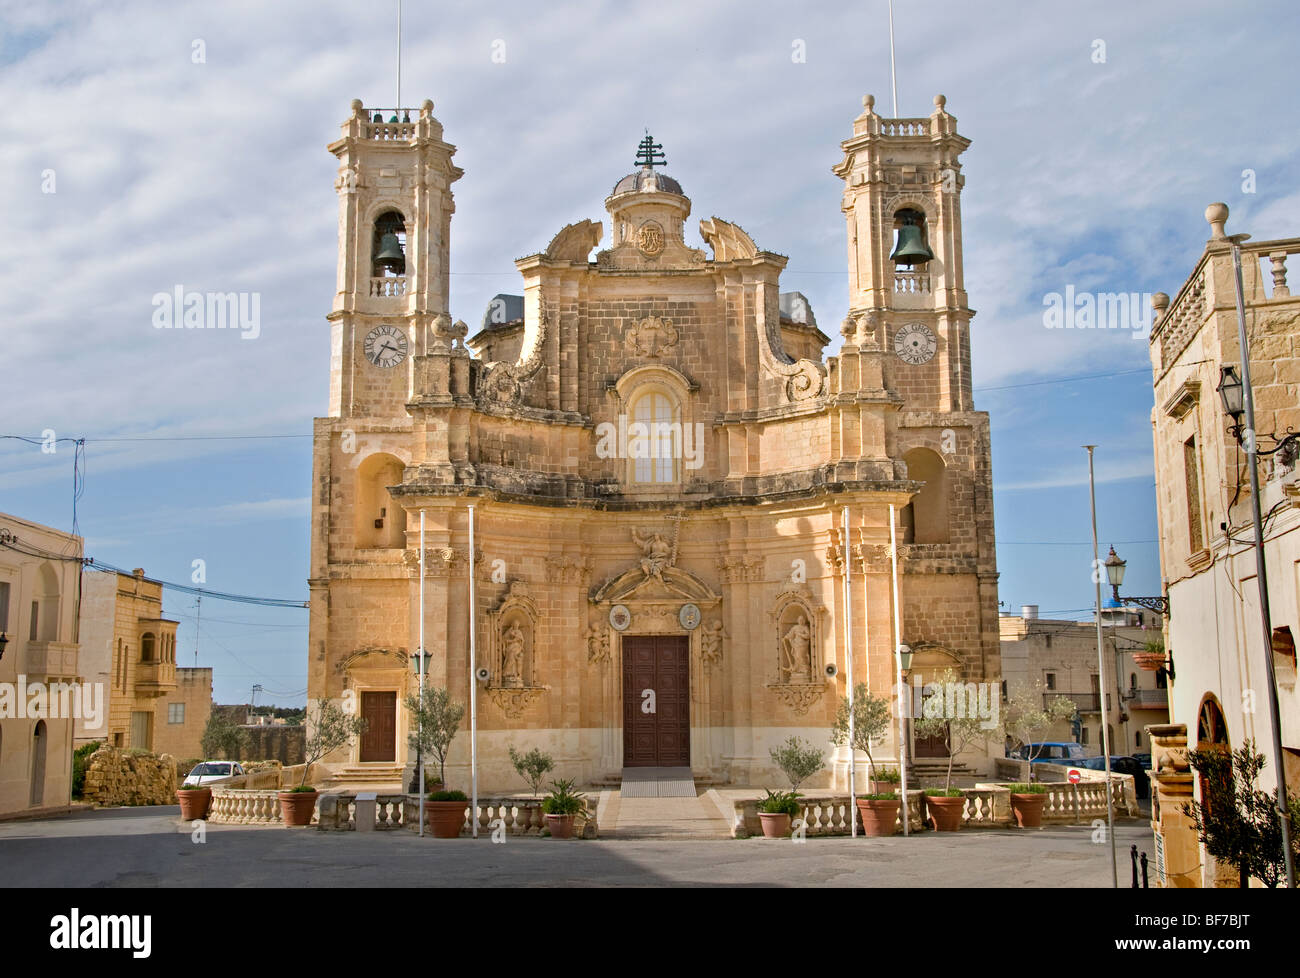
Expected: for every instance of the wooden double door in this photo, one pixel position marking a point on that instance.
(379, 741)
(656, 701)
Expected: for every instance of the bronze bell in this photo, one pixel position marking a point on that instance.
(390, 254)
(911, 248)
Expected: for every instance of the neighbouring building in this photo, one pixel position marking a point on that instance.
(1214, 632)
(131, 648)
(1052, 657)
(40, 581)
(644, 460)
(181, 716)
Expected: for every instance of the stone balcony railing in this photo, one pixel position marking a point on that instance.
(403, 130)
(822, 816)
(911, 282)
(336, 811)
(154, 678)
(42, 659)
(388, 286)
(1147, 699)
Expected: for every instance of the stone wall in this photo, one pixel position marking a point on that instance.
(118, 777)
(284, 743)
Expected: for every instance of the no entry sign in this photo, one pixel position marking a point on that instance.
(1075, 776)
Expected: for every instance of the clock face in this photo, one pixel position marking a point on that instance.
(915, 343)
(385, 346)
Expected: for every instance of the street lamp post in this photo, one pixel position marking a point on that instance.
(1101, 673)
(1239, 401)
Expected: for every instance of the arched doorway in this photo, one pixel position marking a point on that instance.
(39, 737)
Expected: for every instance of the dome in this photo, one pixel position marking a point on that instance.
(648, 180)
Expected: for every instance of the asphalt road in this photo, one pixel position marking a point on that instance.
(149, 847)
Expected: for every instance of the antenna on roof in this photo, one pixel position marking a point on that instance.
(649, 153)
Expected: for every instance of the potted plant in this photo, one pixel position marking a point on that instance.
(435, 721)
(195, 801)
(1027, 804)
(444, 812)
(775, 812)
(532, 767)
(886, 779)
(561, 807)
(1152, 656)
(870, 722)
(944, 808)
(879, 811)
(329, 730)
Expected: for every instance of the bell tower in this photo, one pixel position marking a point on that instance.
(395, 206)
(902, 200)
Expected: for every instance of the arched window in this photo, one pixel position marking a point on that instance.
(925, 518)
(388, 248)
(147, 650)
(381, 522)
(38, 764)
(45, 609)
(654, 438)
(1132, 680)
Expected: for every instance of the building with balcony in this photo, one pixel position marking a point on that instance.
(1055, 657)
(1215, 630)
(40, 573)
(130, 648)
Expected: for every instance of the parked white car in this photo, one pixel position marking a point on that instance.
(213, 771)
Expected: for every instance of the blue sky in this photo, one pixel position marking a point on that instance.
(214, 175)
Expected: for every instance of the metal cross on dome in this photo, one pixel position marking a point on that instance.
(649, 153)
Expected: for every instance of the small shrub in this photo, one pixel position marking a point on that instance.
(780, 802)
(302, 787)
(532, 767)
(80, 759)
(1027, 789)
(881, 796)
(889, 775)
(943, 792)
(798, 760)
(448, 796)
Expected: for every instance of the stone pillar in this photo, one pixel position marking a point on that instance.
(1174, 831)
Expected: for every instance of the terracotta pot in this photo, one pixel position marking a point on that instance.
(561, 826)
(297, 807)
(1149, 661)
(945, 813)
(195, 802)
(1028, 809)
(445, 818)
(776, 825)
(879, 815)
(884, 787)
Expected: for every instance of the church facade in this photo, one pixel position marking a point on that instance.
(645, 460)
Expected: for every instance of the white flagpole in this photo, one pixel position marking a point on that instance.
(420, 652)
(898, 644)
(848, 672)
(1101, 672)
(893, 79)
(399, 57)
(473, 688)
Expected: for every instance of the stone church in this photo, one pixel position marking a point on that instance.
(658, 457)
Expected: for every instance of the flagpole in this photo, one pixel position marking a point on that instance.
(848, 671)
(893, 80)
(1101, 672)
(473, 687)
(898, 645)
(420, 652)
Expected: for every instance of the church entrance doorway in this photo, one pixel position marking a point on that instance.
(379, 710)
(656, 701)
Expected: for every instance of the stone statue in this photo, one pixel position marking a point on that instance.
(597, 644)
(711, 642)
(512, 657)
(656, 553)
(796, 647)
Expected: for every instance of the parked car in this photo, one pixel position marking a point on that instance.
(1143, 759)
(1051, 751)
(1120, 765)
(210, 771)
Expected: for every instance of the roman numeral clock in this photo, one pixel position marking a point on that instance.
(385, 346)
